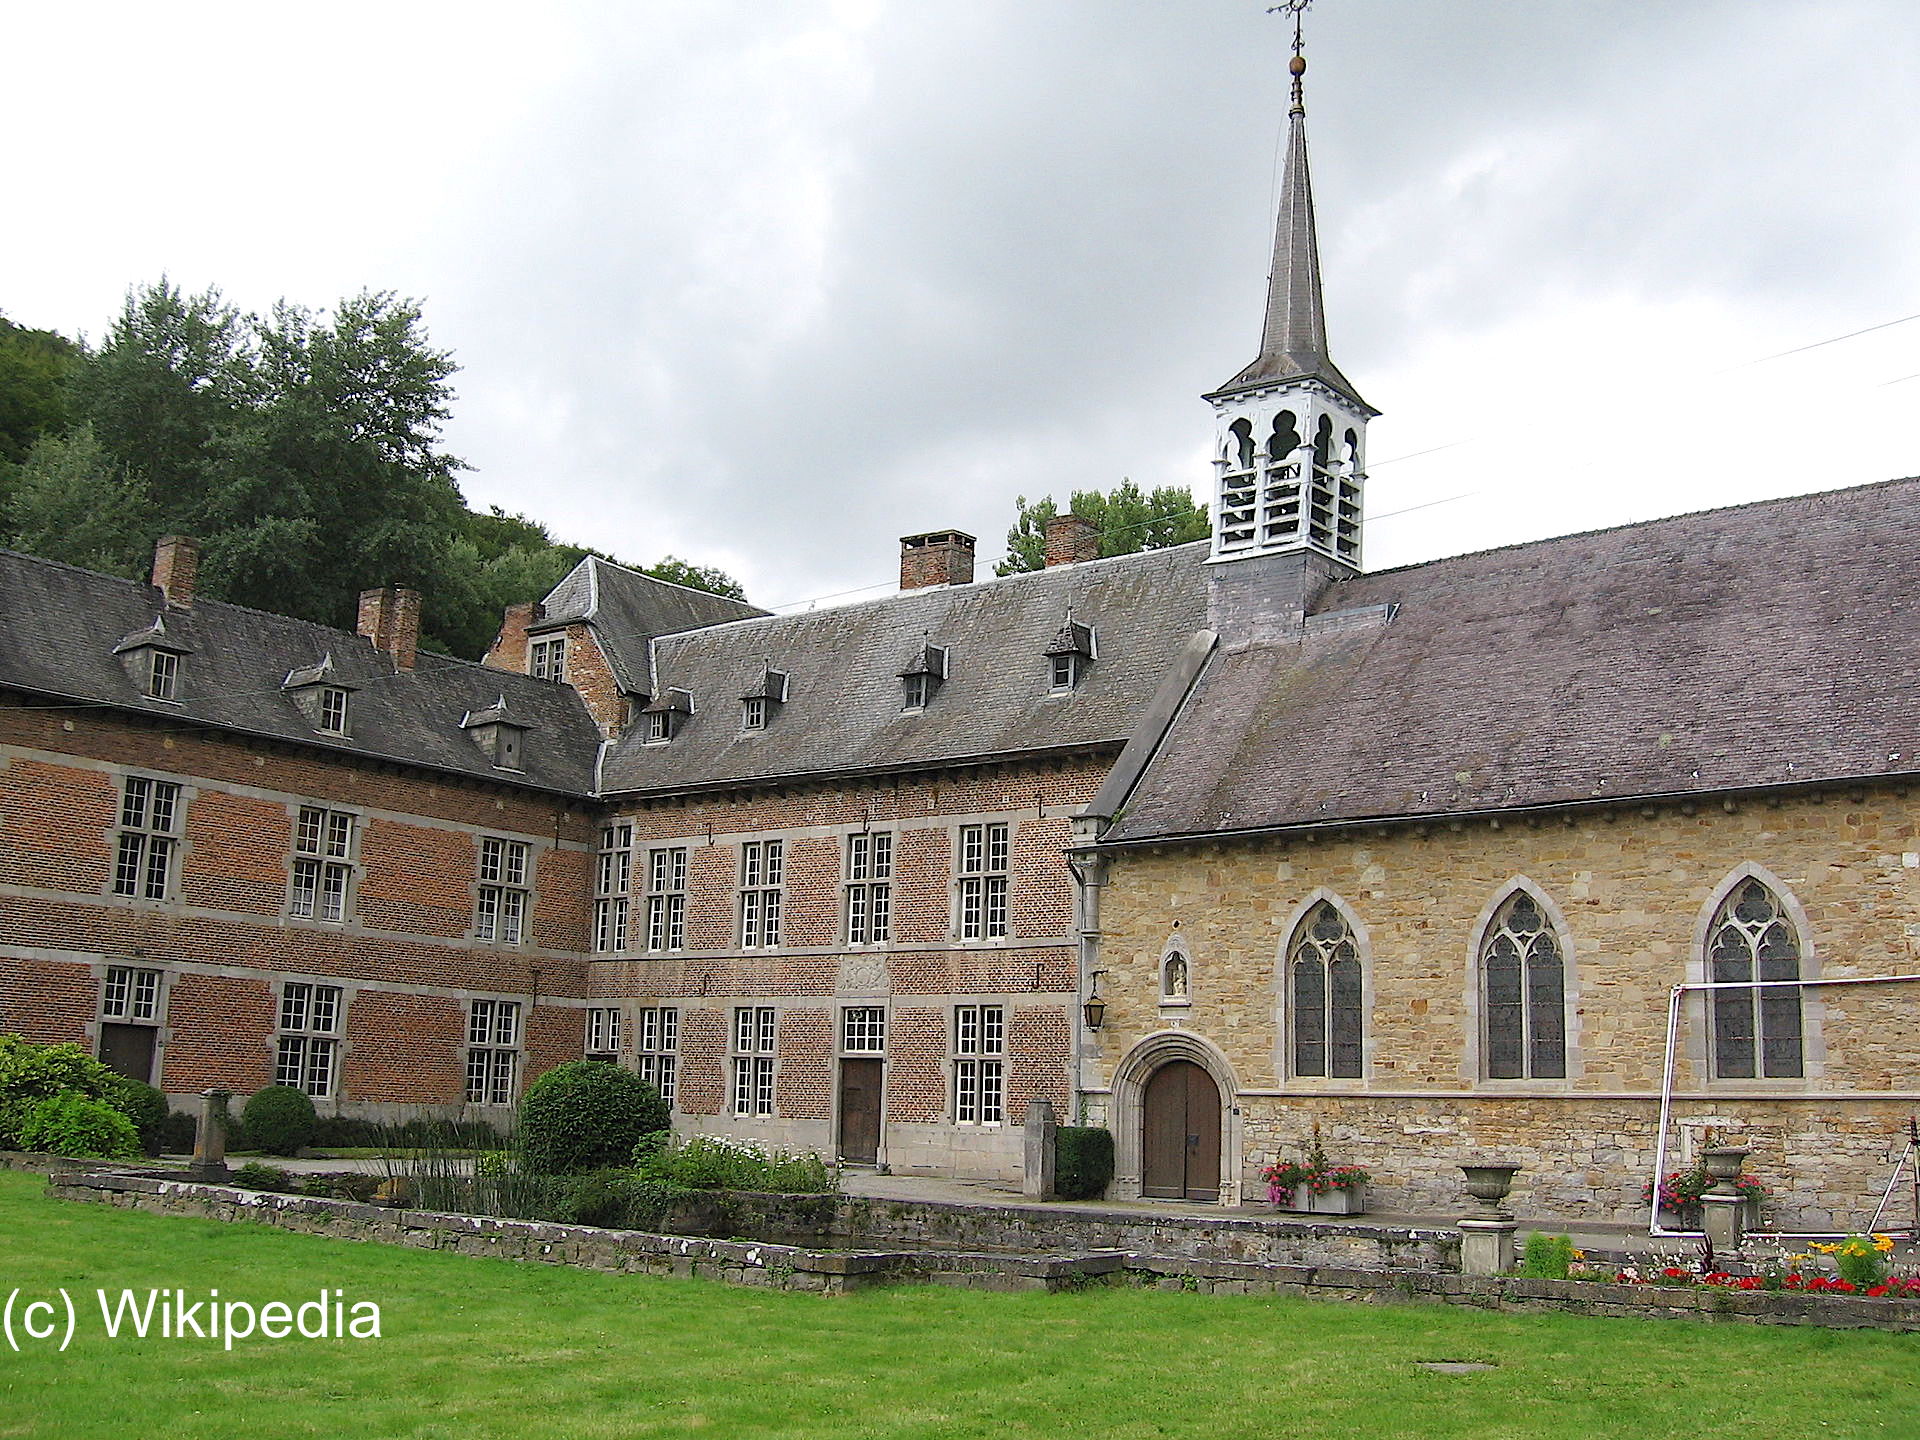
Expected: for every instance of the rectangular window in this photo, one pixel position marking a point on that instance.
(547, 659)
(869, 889)
(149, 826)
(979, 1064)
(322, 864)
(667, 898)
(333, 710)
(610, 886)
(753, 713)
(603, 1032)
(754, 1028)
(918, 689)
(493, 1051)
(163, 675)
(863, 1030)
(308, 1047)
(762, 871)
(983, 881)
(1066, 671)
(130, 994)
(657, 1048)
(500, 913)
(659, 727)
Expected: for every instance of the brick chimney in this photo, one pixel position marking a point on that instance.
(176, 565)
(940, 557)
(509, 648)
(390, 618)
(1071, 541)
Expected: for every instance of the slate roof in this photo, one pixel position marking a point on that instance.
(628, 609)
(1767, 644)
(63, 625)
(844, 695)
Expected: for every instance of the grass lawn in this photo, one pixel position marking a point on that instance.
(486, 1347)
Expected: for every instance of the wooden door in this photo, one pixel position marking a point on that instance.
(128, 1050)
(860, 1111)
(1180, 1134)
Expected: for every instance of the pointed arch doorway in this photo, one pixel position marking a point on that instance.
(1180, 1134)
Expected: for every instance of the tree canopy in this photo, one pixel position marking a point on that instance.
(303, 448)
(1127, 520)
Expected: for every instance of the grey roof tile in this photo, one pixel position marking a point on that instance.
(628, 609)
(1766, 644)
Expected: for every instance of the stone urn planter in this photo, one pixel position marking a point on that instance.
(1488, 1182)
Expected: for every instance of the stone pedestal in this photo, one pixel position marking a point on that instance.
(1723, 1209)
(1041, 1145)
(210, 1138)
(1486, 1246)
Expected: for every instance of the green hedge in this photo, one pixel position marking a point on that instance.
(279, 1120)
(1083, 1162)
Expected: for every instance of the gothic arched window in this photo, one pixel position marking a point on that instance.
(1285, 438)
(1756, 1032)
(1523, 977)
(1323, 966)
(1240, 445)
(1323, 442)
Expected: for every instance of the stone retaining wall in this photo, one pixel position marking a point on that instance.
(790, 1267)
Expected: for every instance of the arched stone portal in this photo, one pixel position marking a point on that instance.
(1177, 1066)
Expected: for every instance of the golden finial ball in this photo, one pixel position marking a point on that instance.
(1298, 65)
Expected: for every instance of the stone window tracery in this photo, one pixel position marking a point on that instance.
(1756, 1032)
(1323, 964)
(1523, 980)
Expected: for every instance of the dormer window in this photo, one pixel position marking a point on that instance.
(152, 660)
(322, 696)
(759, 703)
(1069, 655)
(923, 677)
(163, 675)
(547, 659)
(496, 731)
(664, 715)
(333, 709)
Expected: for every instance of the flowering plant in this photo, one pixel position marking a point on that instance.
(1285, 1176)
(1685, 1187)
(1859, 1260)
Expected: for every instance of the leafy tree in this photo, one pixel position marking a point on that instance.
(35, 367)
(696, 577)
(72, 503)
(1127, 520)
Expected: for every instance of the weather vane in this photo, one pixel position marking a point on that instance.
(1298, 65)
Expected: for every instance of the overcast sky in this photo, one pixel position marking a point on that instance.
(769, 284)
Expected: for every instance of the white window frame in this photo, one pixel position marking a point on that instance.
(603, 1030)
(753, 712)
(307, 1045)
(980, 1065)
(984, 869)
(666, 899)
(130, 994)
(335, 710)
(755, 1047)
(863, 1030)
(916, 691)
(321, 874)
(656, 1048)
(149, 838)
(659, 727)
(869, 899)
(763, 870)
(613, 880)
(494, 1039)
(163, 674)
(547, 658)
(1066, 672)
(503, 899)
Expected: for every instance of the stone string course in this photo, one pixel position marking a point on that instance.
(1316, 1271)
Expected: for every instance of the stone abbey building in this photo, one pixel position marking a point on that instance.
(1443, 860)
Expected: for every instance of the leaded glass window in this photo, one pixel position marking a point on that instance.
(1756, 1032)
(1324, 963)
(1523, 970)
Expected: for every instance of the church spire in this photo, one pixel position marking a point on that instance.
(1291, 429)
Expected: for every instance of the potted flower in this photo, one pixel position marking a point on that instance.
(1314, 1185)
(1680, 1196)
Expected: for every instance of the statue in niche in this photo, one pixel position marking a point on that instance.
(1173, 984)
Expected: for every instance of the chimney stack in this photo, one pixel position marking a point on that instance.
(1071, 541)
(390, 618)
(940, 557)
(509, 648)
(176, 565)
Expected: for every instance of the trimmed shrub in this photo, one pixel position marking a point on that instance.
(143, 1105)
(255, 1176)
(585, 1115)
(279, 1120)
(1082, 1162)
(73, 1124)
(178, 1133)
